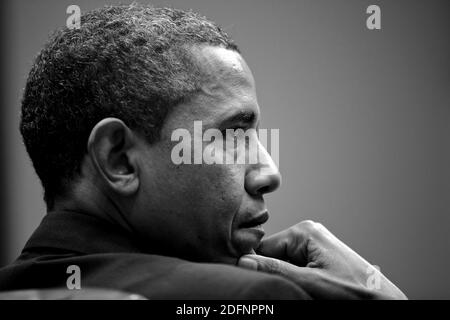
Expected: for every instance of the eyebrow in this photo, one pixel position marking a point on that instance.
(245, 116)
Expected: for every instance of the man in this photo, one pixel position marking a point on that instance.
(98, 113)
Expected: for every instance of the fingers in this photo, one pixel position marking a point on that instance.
(317, 261)
(296, 274)
(290, 244)
(275, 246)
(260, 263)
(317, 284)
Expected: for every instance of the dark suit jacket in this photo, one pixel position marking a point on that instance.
(108, 258)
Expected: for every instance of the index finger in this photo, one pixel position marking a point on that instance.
(288, 245)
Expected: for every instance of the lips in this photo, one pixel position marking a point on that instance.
(255, 221)
(249, 232)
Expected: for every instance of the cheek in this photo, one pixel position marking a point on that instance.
(219, 188)
(200, 198)
(215, 193)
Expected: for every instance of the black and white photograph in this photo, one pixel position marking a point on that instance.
(239, 151)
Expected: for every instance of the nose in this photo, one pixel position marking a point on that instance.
(263, 177)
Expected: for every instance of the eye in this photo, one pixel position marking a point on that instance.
(238, 137)
(235, 133)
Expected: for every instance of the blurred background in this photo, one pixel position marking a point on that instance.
(364, 119)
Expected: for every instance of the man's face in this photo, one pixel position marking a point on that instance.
(206, 212)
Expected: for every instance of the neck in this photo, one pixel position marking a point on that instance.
(88, 199)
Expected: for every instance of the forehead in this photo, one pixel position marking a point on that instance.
(229, 87)
(222, 64)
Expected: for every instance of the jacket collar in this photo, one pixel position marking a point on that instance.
(80, 232)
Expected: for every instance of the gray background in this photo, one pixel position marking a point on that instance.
(364, 120)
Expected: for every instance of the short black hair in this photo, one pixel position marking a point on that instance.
(132, 62)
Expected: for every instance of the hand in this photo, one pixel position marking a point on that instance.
(312, 257)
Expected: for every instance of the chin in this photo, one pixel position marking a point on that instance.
(243, 241)
(247, 240)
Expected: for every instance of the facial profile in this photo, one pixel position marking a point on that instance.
(206, 212)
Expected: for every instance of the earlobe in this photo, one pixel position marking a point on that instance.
(111, 148)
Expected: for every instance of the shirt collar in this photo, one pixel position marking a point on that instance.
(82, 233)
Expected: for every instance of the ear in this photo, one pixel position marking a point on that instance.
(111, 147)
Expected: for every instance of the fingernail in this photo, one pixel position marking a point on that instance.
(248, 263)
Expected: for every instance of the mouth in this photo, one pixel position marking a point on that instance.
(255, 222)
(249, 232)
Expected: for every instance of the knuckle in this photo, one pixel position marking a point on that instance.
(274, 266)
(307, 223)
(320, 227)
(309, 226)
